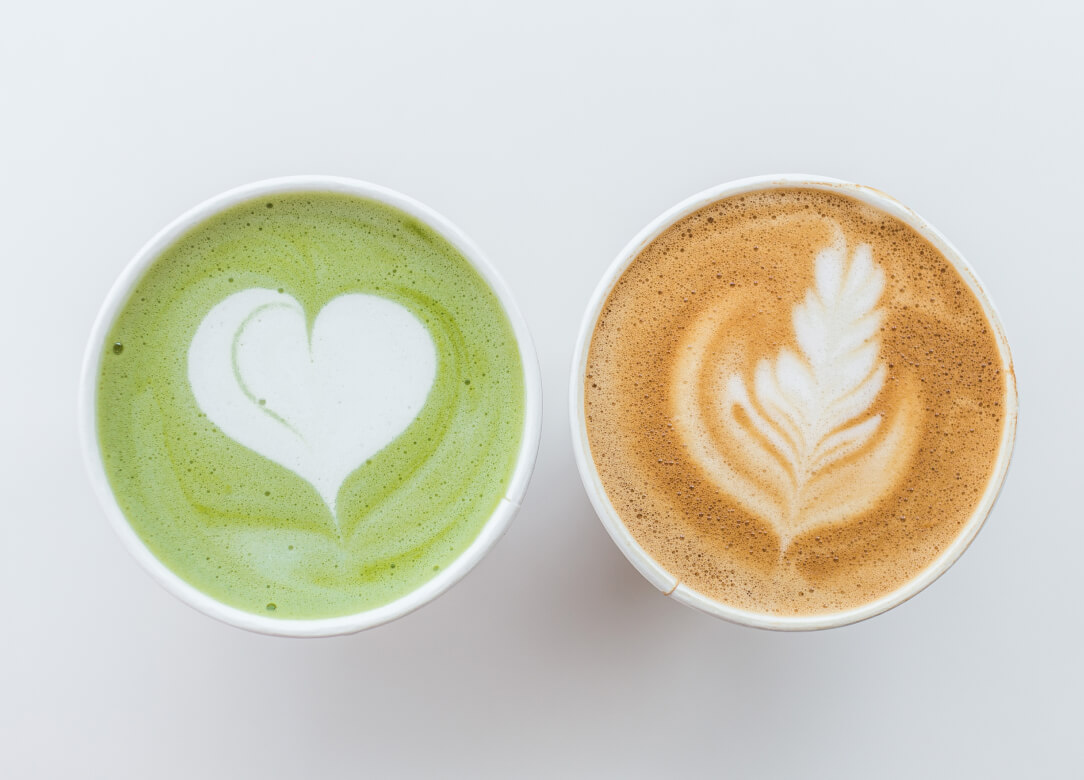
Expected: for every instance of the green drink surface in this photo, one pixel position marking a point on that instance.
(251, 532)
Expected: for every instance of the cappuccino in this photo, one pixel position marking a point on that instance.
(793, 401)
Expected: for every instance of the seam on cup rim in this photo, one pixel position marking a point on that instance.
(611, 519)
(494, 528)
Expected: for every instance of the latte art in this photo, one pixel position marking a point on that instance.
(311, 405)
(319, 404)
(793, 402)
(794, 440)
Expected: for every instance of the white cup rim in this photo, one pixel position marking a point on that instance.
(644, 563)
(493, 529)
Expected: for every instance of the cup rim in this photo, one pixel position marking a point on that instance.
(495, 526)
(651, 570)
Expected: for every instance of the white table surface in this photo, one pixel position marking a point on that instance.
(550, 133)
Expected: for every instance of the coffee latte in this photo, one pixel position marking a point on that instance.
(310, 405)
(793, 401)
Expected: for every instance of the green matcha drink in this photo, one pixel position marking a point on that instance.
(309, 405)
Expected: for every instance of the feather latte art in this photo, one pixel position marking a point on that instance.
(796, 444)
(793, 401)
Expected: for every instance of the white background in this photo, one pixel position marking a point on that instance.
(550, 133)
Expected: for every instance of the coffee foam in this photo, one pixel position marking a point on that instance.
(793, 401)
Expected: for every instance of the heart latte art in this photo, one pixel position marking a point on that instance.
(793, 401)
(310, 405)
(319, 404)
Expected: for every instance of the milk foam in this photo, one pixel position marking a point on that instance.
(795, 442)
(319, 403)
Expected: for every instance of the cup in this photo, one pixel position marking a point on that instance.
(493, 529)
(650, 568)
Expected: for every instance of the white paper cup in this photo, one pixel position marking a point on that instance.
(493, 529)
(649, 567)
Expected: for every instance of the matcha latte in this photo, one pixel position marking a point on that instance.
(310, 405)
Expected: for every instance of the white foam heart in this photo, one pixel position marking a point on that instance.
(318, 403)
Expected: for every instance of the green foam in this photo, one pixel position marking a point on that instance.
(249, 532)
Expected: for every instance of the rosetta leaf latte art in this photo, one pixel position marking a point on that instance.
(812, 402)
(794, 401)
(800, 446)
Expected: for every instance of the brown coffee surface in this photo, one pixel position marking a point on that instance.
(794, 401)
